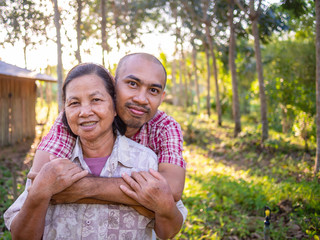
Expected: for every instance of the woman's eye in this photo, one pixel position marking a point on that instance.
(73, 103)
(96, 99)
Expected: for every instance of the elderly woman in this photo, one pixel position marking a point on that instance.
(100, 150)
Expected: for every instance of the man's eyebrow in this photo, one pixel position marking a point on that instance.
(134, 78)
(156, 85)
(139, 80)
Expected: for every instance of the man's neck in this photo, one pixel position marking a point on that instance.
(130, 132)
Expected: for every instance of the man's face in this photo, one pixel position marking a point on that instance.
(139, 91)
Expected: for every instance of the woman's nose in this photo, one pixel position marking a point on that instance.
(85, 111)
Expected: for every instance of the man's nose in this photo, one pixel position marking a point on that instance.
(86, 110)
(141, 97)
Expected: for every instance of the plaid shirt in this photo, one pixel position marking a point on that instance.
(162, 134)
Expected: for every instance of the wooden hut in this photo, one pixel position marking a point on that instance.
(17, 103)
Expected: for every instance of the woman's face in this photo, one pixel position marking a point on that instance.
(89, 107)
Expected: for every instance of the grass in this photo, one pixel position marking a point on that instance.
(229, 182)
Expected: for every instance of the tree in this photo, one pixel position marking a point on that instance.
(317, 9)
(79, 35)
(232, 66)
(23, 20)
(202, 14)
(195, 72)
(59, 53)
(253, 15)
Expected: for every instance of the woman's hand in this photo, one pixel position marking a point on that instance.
(54, 177)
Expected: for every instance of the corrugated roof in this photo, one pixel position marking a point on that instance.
(12, 70)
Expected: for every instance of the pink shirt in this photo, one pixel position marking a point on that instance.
(96, 164)
(162, 134)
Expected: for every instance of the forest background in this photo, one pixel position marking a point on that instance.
(241, 82)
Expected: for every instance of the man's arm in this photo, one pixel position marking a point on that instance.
(175, 176)
(152, 191)
(89, 190)
(107, 189)
(102, 189)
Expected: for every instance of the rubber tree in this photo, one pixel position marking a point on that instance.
(317, 160)
(59, 53)
(253, 12)
(232, 66)
(203, 15)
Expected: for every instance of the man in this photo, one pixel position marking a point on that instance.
(140, 81)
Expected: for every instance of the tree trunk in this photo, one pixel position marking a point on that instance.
(263, 100)
(215, 72)
(103, 29)
(25, 55)
(194, 64)
(79, 11)
(181, 87)
(174, 83)
(232, 65)
(59, 53)
(208, 79)
(185, 75)
(317, 161)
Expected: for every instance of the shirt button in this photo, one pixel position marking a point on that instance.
(88, 222)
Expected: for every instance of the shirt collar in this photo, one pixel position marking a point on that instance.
(122, 150)
(120, 153)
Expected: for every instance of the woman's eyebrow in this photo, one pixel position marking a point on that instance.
(95, 93)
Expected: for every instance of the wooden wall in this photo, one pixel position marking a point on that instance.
(17, 109)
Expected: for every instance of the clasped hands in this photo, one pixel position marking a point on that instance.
(60, 181)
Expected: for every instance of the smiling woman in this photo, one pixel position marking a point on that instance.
(89, 110)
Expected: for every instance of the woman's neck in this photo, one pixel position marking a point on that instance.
(99, 147)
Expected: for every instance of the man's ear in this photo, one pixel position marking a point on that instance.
(163, 96)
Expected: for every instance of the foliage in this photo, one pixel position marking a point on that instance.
(230, 180)
(290, 76)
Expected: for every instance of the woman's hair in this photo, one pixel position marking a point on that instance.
(98, 70)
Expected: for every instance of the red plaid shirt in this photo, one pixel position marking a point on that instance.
(162, 134)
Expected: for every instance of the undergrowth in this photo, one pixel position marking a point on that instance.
(230, 180)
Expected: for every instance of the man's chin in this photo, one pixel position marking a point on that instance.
(136, 125)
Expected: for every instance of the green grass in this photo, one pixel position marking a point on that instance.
(230, 180)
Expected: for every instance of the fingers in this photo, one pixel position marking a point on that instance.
(156, 174)
(138, 176)
(131, 182)
(80, 175)
(129, 192)
(32, 175)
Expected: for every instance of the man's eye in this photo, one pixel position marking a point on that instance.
(133, 84)
(154, 90)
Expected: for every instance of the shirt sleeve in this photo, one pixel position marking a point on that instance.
(58, 141)
(171, 145)
(183, 210)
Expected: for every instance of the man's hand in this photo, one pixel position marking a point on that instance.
(150, 189)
